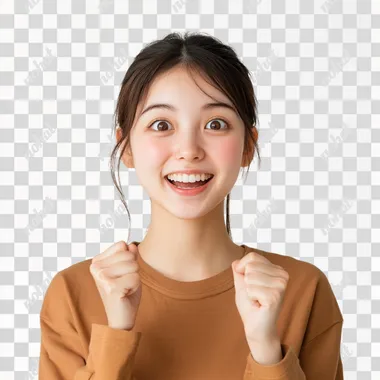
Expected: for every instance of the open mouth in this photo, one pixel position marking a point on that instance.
(188, 185)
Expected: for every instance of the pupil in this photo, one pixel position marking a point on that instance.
(161, 123)
(215, 123)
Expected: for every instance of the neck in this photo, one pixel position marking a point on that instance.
(188, 249)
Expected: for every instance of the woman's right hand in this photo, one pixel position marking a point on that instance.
(116, 276)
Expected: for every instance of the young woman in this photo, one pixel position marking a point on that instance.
(187, 302)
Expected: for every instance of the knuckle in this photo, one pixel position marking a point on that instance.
(101, 273)
(93, 269)
(283, 271)
(250, 267)
(281, 282)
(98, 274)
(95, 258)
(122, 245)
(252, 256)
(285, 276)
(249, 277)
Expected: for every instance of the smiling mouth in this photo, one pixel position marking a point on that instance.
(188, 185)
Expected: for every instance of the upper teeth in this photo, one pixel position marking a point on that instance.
(189, 178)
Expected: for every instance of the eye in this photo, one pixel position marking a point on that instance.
(216, 125)
(161, 125)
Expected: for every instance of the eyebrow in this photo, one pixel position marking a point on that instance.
(204, 107)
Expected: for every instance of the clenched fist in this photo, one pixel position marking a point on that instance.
(260, 289)
(116, 276)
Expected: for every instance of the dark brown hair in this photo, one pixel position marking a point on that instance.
(205, 55)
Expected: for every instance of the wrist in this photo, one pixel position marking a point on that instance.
(267, 339)
(267, 352)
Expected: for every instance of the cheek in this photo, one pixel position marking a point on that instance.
(150, 153)
(229, 152)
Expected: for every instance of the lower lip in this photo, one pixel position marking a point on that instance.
(194, 191)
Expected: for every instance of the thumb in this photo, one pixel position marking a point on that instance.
(133, 248)
(238, 277)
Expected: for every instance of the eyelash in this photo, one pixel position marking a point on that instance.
(215, 118)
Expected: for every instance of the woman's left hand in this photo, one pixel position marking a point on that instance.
(259, 292)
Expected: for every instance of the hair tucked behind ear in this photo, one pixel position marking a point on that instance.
(200, 53)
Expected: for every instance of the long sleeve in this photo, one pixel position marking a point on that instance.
(319, 359)
(66, 353)
(287, 369)
(111, 354)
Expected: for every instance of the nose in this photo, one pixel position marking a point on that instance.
(189, 147)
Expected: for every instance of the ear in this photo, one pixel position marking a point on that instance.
(127, 157)
(248, 157)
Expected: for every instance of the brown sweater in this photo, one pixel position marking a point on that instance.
(187, 330)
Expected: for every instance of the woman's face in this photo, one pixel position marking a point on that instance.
(188, 136)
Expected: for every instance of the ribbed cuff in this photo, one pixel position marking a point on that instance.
(274, 371)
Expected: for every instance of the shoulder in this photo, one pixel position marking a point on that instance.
(74, 270)
(308, 286)
(78, 273)
(301, 269)
(65, 287)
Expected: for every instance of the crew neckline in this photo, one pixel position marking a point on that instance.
(207, 287)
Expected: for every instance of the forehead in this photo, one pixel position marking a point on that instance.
(179, 86)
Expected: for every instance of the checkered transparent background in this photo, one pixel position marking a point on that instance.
(316, 196)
